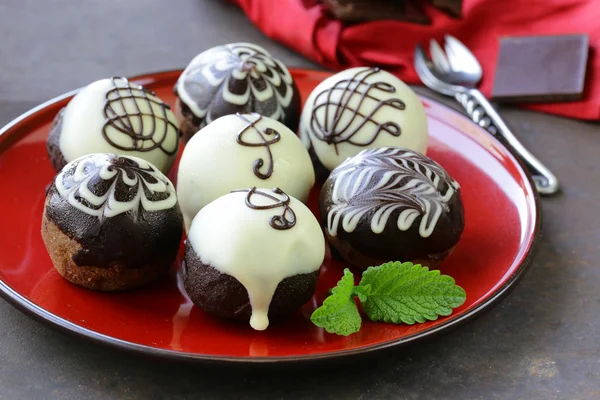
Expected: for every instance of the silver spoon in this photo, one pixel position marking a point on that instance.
(454, 71)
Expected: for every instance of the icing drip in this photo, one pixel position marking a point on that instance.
(106, 185)
(354, 91)
(128, 119)
(379, 182)
(279, 222)
(240, 74)
(264, 142)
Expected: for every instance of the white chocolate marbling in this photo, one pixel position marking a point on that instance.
(217, 69)
(377, 182)
(362, 108)
(152, 190)
(214, 163)
(84, 120)
(239, 241)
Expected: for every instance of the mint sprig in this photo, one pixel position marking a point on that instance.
(392, 292)
(407, 293)
(339, 313)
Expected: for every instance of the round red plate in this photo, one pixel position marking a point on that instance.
(502, 221)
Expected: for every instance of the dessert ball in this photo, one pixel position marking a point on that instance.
(235, 78)
(361, 108)
(253, 255)
(111, 222)
(391, 204)
(238, 151)
(115, 116)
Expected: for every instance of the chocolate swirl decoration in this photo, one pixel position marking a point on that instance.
(136, 112)
(106, 185)
(286, 220)
(264, 142)
(237, 77)
(378, 182)
(341, 111)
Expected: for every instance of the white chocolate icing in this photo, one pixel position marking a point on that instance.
(214, 163)
(240, 241)
(377, 182)
(362, 108)
(112, 116)
(89, 184)
(219, 66)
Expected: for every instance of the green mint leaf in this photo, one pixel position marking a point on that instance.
(339, 313)
(403, 292)
(362, 292)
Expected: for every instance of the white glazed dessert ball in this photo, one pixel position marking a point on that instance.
(237, 151)
(115, 116)
(253, 255)
(362, 108)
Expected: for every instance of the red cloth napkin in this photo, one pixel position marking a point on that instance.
(305, 26)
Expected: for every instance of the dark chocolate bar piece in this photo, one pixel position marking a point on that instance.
(541, 69)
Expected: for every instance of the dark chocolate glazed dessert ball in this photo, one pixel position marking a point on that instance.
(391, 204)
(253, 255)
(111, 222)
(235, 78)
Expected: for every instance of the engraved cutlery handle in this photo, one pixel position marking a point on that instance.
(483, 114)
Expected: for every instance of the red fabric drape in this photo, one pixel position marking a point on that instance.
(305, 26)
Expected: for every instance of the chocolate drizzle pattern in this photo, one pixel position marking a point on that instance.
(136, 112)
(343, 110)
(286, 220)
(264, 142)
(380, 182)
(105, 185)
(239, 77)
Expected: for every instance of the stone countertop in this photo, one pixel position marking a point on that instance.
(541, 342)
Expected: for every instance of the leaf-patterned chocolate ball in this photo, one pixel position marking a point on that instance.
(236, 78)
(391, 204)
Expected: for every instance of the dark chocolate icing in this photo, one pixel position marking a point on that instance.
(144, 232)
(224, 296)
(52, 144)
(330, 128)
(264, 142)
(393, 180)
(279, 222)
(121, 120)
(248, 73)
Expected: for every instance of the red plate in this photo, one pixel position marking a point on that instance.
(502, 221)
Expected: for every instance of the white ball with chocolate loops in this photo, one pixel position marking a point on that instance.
(362, 108)
(115, 116)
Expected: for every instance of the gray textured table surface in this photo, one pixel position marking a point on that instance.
(542, 342)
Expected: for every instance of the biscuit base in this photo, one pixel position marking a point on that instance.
(62, 248)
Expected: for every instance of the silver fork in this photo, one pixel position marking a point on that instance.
(454, 71)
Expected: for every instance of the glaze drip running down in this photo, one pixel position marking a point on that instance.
(148, 129)
(106, 185)
(242, 75)
(326, 120)
(286, 220)
(264, 142)
(379, 182)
